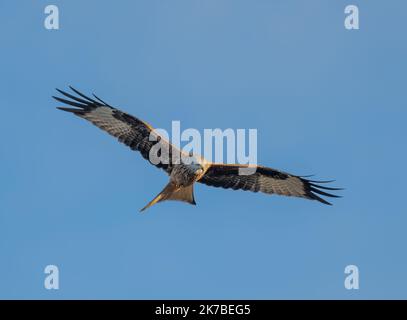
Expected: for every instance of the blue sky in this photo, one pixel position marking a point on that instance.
(325, 100)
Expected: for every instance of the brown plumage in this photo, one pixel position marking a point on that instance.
(140, 136)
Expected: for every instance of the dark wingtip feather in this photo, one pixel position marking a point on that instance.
(105, 103)
(313, 196)
(85, 97)
(313, 189)
(69, 102)
(321, 181)
(68, 95)
(325, 188)
(322, 193)
(72, 110)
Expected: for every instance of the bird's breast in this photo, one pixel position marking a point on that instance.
(183, 175)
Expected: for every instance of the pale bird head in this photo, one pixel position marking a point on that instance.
(196, 166)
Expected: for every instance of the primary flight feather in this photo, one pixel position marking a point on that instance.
(137, 134)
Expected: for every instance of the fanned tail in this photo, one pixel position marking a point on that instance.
(173, 192)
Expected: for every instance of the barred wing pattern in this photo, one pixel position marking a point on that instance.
(126, 128)
(266, 180)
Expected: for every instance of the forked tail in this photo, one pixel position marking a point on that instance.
(173, 192)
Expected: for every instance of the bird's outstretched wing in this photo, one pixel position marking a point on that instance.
(265, 180)
(128, 129)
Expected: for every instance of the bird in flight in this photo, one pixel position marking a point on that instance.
(137, 134)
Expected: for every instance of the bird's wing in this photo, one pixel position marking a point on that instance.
(265, 180)
(128, 129)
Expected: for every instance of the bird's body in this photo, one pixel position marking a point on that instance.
(185, 170)
(184, 175)
(181, 185)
